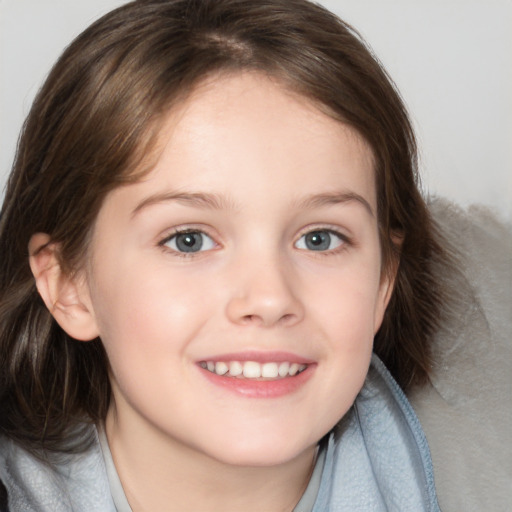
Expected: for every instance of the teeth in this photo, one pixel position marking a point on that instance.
(283, 369)
(221, 368)
(294, 368)
(270, 370)
(235, 369)
(254, 370)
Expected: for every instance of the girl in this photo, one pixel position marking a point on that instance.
(212, 222)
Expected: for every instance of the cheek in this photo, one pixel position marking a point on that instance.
(147, 316)
(347, 326)
(348, 304)
(145, 333)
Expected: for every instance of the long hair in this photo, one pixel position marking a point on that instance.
(93, 127)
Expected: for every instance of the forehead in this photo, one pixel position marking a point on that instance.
(252, 121)
(251, 141)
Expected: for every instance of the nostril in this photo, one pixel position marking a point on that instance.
(264, 308)
(252, 319)
(249, 318)
(287, 317)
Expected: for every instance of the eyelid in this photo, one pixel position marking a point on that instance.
(333, 230)
(172, 233)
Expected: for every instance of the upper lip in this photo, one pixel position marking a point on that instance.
(260, 357)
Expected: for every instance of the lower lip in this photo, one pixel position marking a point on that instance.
(250, 388)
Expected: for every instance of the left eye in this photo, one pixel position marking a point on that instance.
(189, 242)
(320, 240)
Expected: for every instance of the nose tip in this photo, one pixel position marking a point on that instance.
(265, 301)
(239, 312)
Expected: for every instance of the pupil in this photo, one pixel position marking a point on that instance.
(318, 241)
(189, 242)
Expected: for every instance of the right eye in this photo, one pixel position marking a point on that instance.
(189, 242)
(320, 240)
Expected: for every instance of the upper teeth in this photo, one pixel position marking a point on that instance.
(253, 370)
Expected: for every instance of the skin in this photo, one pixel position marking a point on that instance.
(273, 168)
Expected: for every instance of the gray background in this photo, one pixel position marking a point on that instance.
(451, 59)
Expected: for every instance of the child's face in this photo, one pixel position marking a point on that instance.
(253, 239)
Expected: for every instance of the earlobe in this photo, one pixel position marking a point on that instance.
(66, 296)
(387, 285)
(385, 292)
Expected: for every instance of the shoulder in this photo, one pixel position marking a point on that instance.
(377, 458)
(466, 410)
(75, 481)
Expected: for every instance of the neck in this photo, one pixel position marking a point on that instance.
(158, 473)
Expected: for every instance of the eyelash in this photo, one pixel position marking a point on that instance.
(183, 231)
(345, 241)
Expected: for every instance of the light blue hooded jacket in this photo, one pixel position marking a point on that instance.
(376, 460)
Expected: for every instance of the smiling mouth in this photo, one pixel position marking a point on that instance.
(253, 370)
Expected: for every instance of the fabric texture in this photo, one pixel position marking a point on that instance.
(77, 483)
(466, 411)
(377, 459)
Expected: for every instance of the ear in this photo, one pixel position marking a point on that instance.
(385, 291)
(66, 296)
(387, 281)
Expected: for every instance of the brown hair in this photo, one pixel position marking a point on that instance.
(92, 127)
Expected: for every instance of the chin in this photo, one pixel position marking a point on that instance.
(254, 452)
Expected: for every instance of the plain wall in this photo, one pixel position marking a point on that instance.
(451, 60)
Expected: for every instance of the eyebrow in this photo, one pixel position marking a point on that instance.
(196, 199)
(317, 200)
(220, 202)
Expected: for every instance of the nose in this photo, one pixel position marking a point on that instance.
(265, 294)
